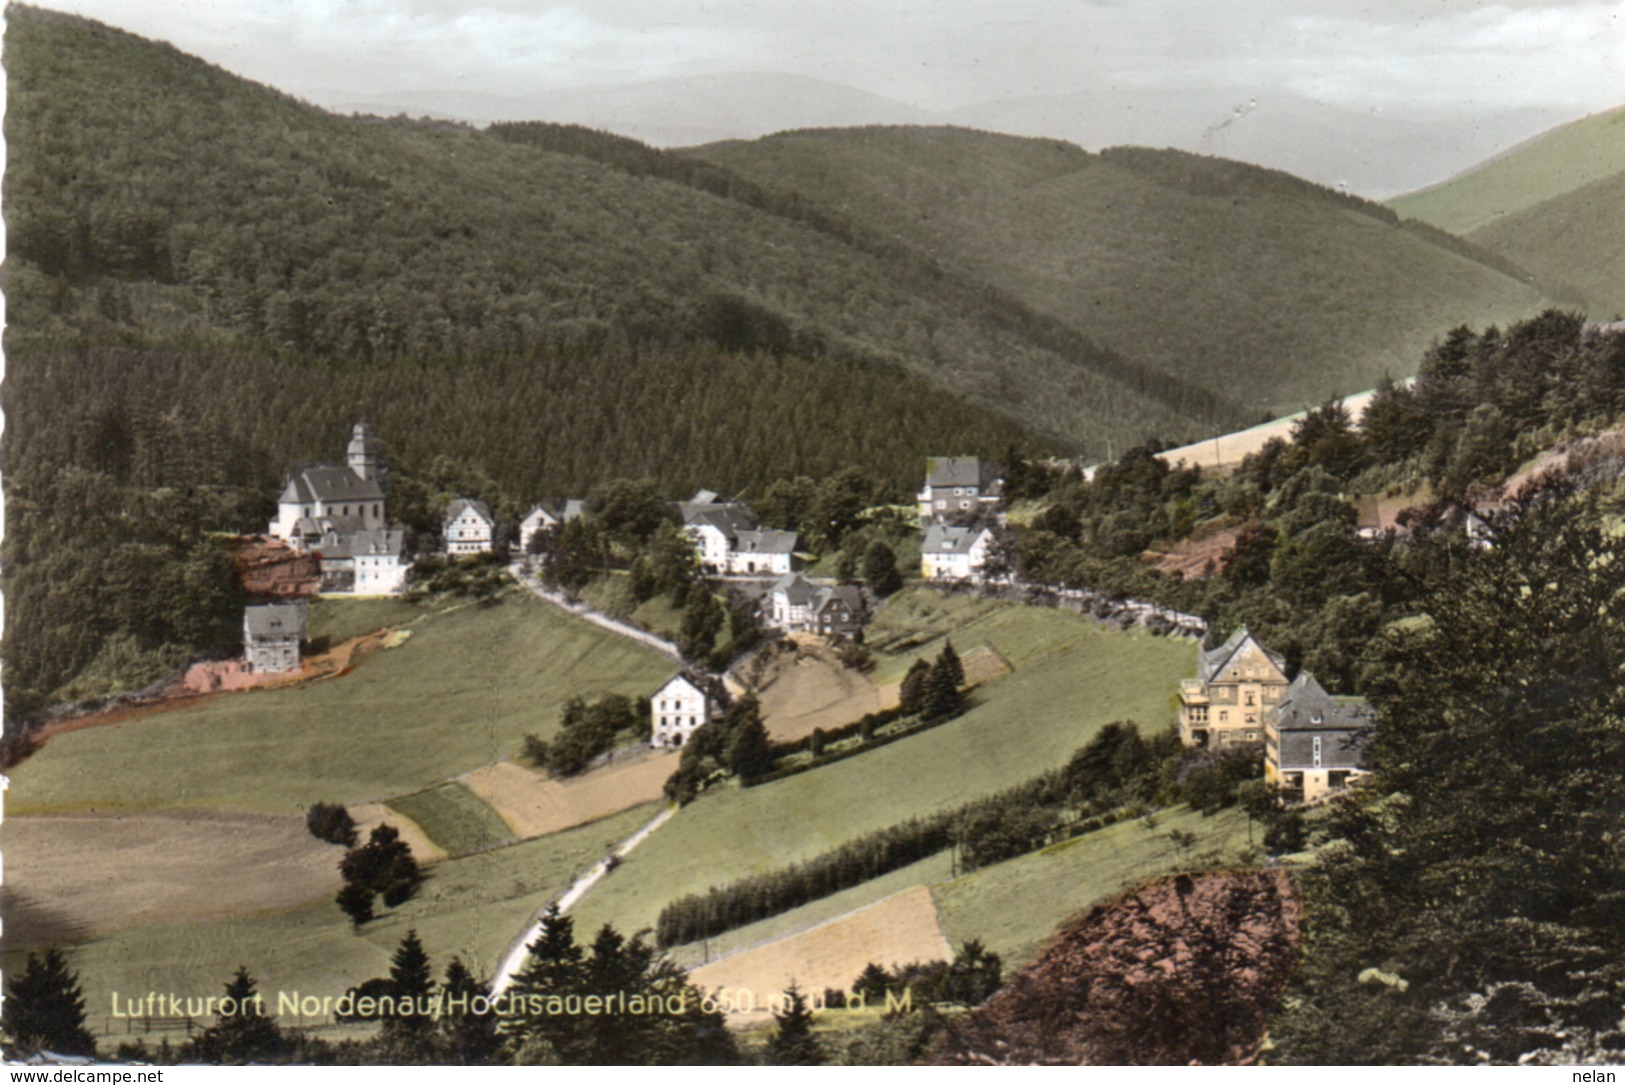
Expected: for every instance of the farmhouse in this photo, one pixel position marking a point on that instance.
(469, 527)
(679, 708)
(959, 488)
(954, 552)
(1235, 683)
(545, 517)
(335, 500)
(1314, 743)
(795, 604)
(728, 540)
(271, 637)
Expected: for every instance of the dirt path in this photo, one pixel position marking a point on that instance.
(582, 610)
(533, 805)
(68, 878)
(514, 959)
(898, 930)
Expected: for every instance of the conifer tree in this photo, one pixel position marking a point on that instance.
(793, 1043)
(411, 1027)
(244, 1035)
(911, 696)
(45, 1009)
(469, 1038)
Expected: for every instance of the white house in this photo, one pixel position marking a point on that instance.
(544, 517)
(324, 499)
(271, 636)
(380, 560)
(469, 527)
(952, 552)
(679, 708)
(799, 606)
(959, 488)
(728, 540)
(763, 550)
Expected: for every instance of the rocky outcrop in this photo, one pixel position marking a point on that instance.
(1180, 970)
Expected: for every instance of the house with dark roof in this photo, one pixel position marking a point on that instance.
(797, 605)
(727, 538)
(271, 637)
(1315, 744)
(680, 707)
(954, 552)
(1235, 683)
(469, 527)
(372, 562)
(959, 488)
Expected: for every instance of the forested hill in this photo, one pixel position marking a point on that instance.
(156, 200)
(1240, 279)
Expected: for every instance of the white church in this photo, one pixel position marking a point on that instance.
(338, 512)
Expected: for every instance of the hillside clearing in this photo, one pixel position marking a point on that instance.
(469, 907)
(532, 805)
(131, 870)
(808, 688)
(461, 693)
(1071, 678)
(453, 817)
(898, 930)
(369, 815)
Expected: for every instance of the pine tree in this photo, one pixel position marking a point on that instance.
(793, 1043)
(356, 901)
(942, 697)
(244, 1035)
(554, 967)
(45, 1009)
(911, 696)
(750, 752)
(411, 979)
(948, 660)
(469, 1038)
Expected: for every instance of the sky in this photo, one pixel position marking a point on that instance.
(1372, 55)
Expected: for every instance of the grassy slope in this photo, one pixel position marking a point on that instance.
(1281, 287)
(471, 907)
(1575, 242)
(461, 693)
(1013, 906)
(1070, 679)
(453, 817)
(442, 239)
(1562, 161)
(335, 619)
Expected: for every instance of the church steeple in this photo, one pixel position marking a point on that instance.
(367, 457)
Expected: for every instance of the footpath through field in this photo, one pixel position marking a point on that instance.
(514, 959)
(582, 610)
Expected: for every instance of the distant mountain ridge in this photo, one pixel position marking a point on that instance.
(1246, 281)
(1376, 154)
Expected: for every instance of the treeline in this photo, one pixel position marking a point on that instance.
(586, 731)
(1117, 771)
(1297, 574)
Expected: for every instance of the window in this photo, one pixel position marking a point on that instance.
(1224, 717)
(1249, 698)
(1317, 751)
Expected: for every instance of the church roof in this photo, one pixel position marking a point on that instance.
(327, 484)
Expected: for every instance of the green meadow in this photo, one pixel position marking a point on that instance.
(461, 693)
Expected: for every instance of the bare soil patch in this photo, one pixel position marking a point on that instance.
(808, 687)
(898, 930)
(369, 816)
(68, 878)
(533, 805)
